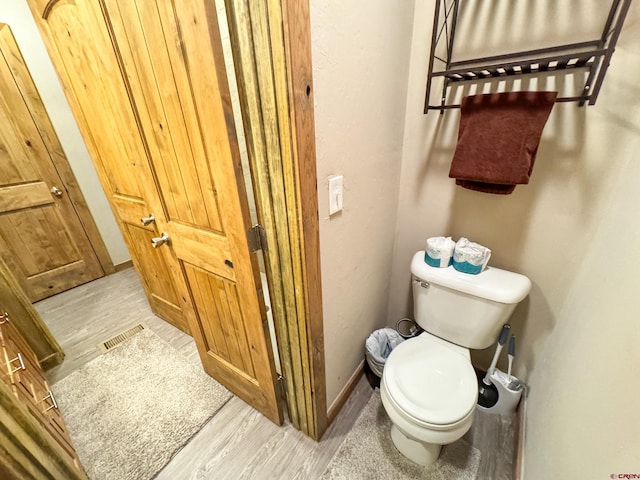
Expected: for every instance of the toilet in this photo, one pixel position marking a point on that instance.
(429, 388)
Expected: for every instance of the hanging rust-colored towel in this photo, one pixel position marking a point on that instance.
(498, 139)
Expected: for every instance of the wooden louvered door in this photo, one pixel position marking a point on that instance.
(169, 61)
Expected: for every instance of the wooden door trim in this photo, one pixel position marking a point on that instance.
(300, 80)
(50, 139)
(272, 54)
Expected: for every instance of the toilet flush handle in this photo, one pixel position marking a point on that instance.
(424, 284)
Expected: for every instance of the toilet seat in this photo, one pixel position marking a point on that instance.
(431, 382)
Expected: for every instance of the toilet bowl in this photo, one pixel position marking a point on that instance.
(429, 390)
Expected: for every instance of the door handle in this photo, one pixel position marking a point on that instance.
(21, 364)
(161, 240)
(52, 400)
(148, 220)
(56, 191)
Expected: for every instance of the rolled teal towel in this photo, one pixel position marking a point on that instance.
(470, 257)
(439, 251)
(466, 267)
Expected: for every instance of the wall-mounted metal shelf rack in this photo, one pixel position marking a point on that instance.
(592, 56)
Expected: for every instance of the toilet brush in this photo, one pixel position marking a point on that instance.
(511, 353)
(487, 392)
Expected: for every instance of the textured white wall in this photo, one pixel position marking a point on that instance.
(573, 230)
(16, 14)
(360, 65)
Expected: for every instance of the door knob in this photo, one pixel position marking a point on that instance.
(56, 191)
(161, 240)
(148, 220)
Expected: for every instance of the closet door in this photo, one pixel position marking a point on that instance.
(170, 65)
(84, 57)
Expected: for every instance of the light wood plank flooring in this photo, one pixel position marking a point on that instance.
(496, 438)
(238, 442)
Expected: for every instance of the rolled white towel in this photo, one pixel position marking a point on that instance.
(439, 251)
(470, 257)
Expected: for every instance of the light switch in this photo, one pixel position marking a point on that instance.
(335, 195)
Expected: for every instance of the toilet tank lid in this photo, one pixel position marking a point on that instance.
(492, 283)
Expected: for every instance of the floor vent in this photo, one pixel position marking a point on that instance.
(121, 337)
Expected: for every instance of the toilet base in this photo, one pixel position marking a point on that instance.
(418, 452)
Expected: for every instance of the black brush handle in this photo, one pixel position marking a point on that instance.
(504, 334)
(512, 346)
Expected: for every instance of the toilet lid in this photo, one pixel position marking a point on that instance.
(431, 382)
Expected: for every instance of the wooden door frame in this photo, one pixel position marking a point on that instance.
(271, 42)
(34, 103)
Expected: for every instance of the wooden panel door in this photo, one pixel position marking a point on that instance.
(42, 238)
(169, 55)
(89, 69)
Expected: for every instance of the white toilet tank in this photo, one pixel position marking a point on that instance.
(468, 310)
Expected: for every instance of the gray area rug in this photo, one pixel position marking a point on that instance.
(368, 453)
(130, 410)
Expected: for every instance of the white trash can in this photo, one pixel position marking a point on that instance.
(378, 347)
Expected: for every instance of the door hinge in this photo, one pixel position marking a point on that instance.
(281, 391)
(282, 383)
(257, 238)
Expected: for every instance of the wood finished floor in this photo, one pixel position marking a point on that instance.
(238, 442)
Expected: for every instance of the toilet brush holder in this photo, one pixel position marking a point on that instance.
(509, 393)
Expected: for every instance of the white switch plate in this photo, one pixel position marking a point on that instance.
(335, 195)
